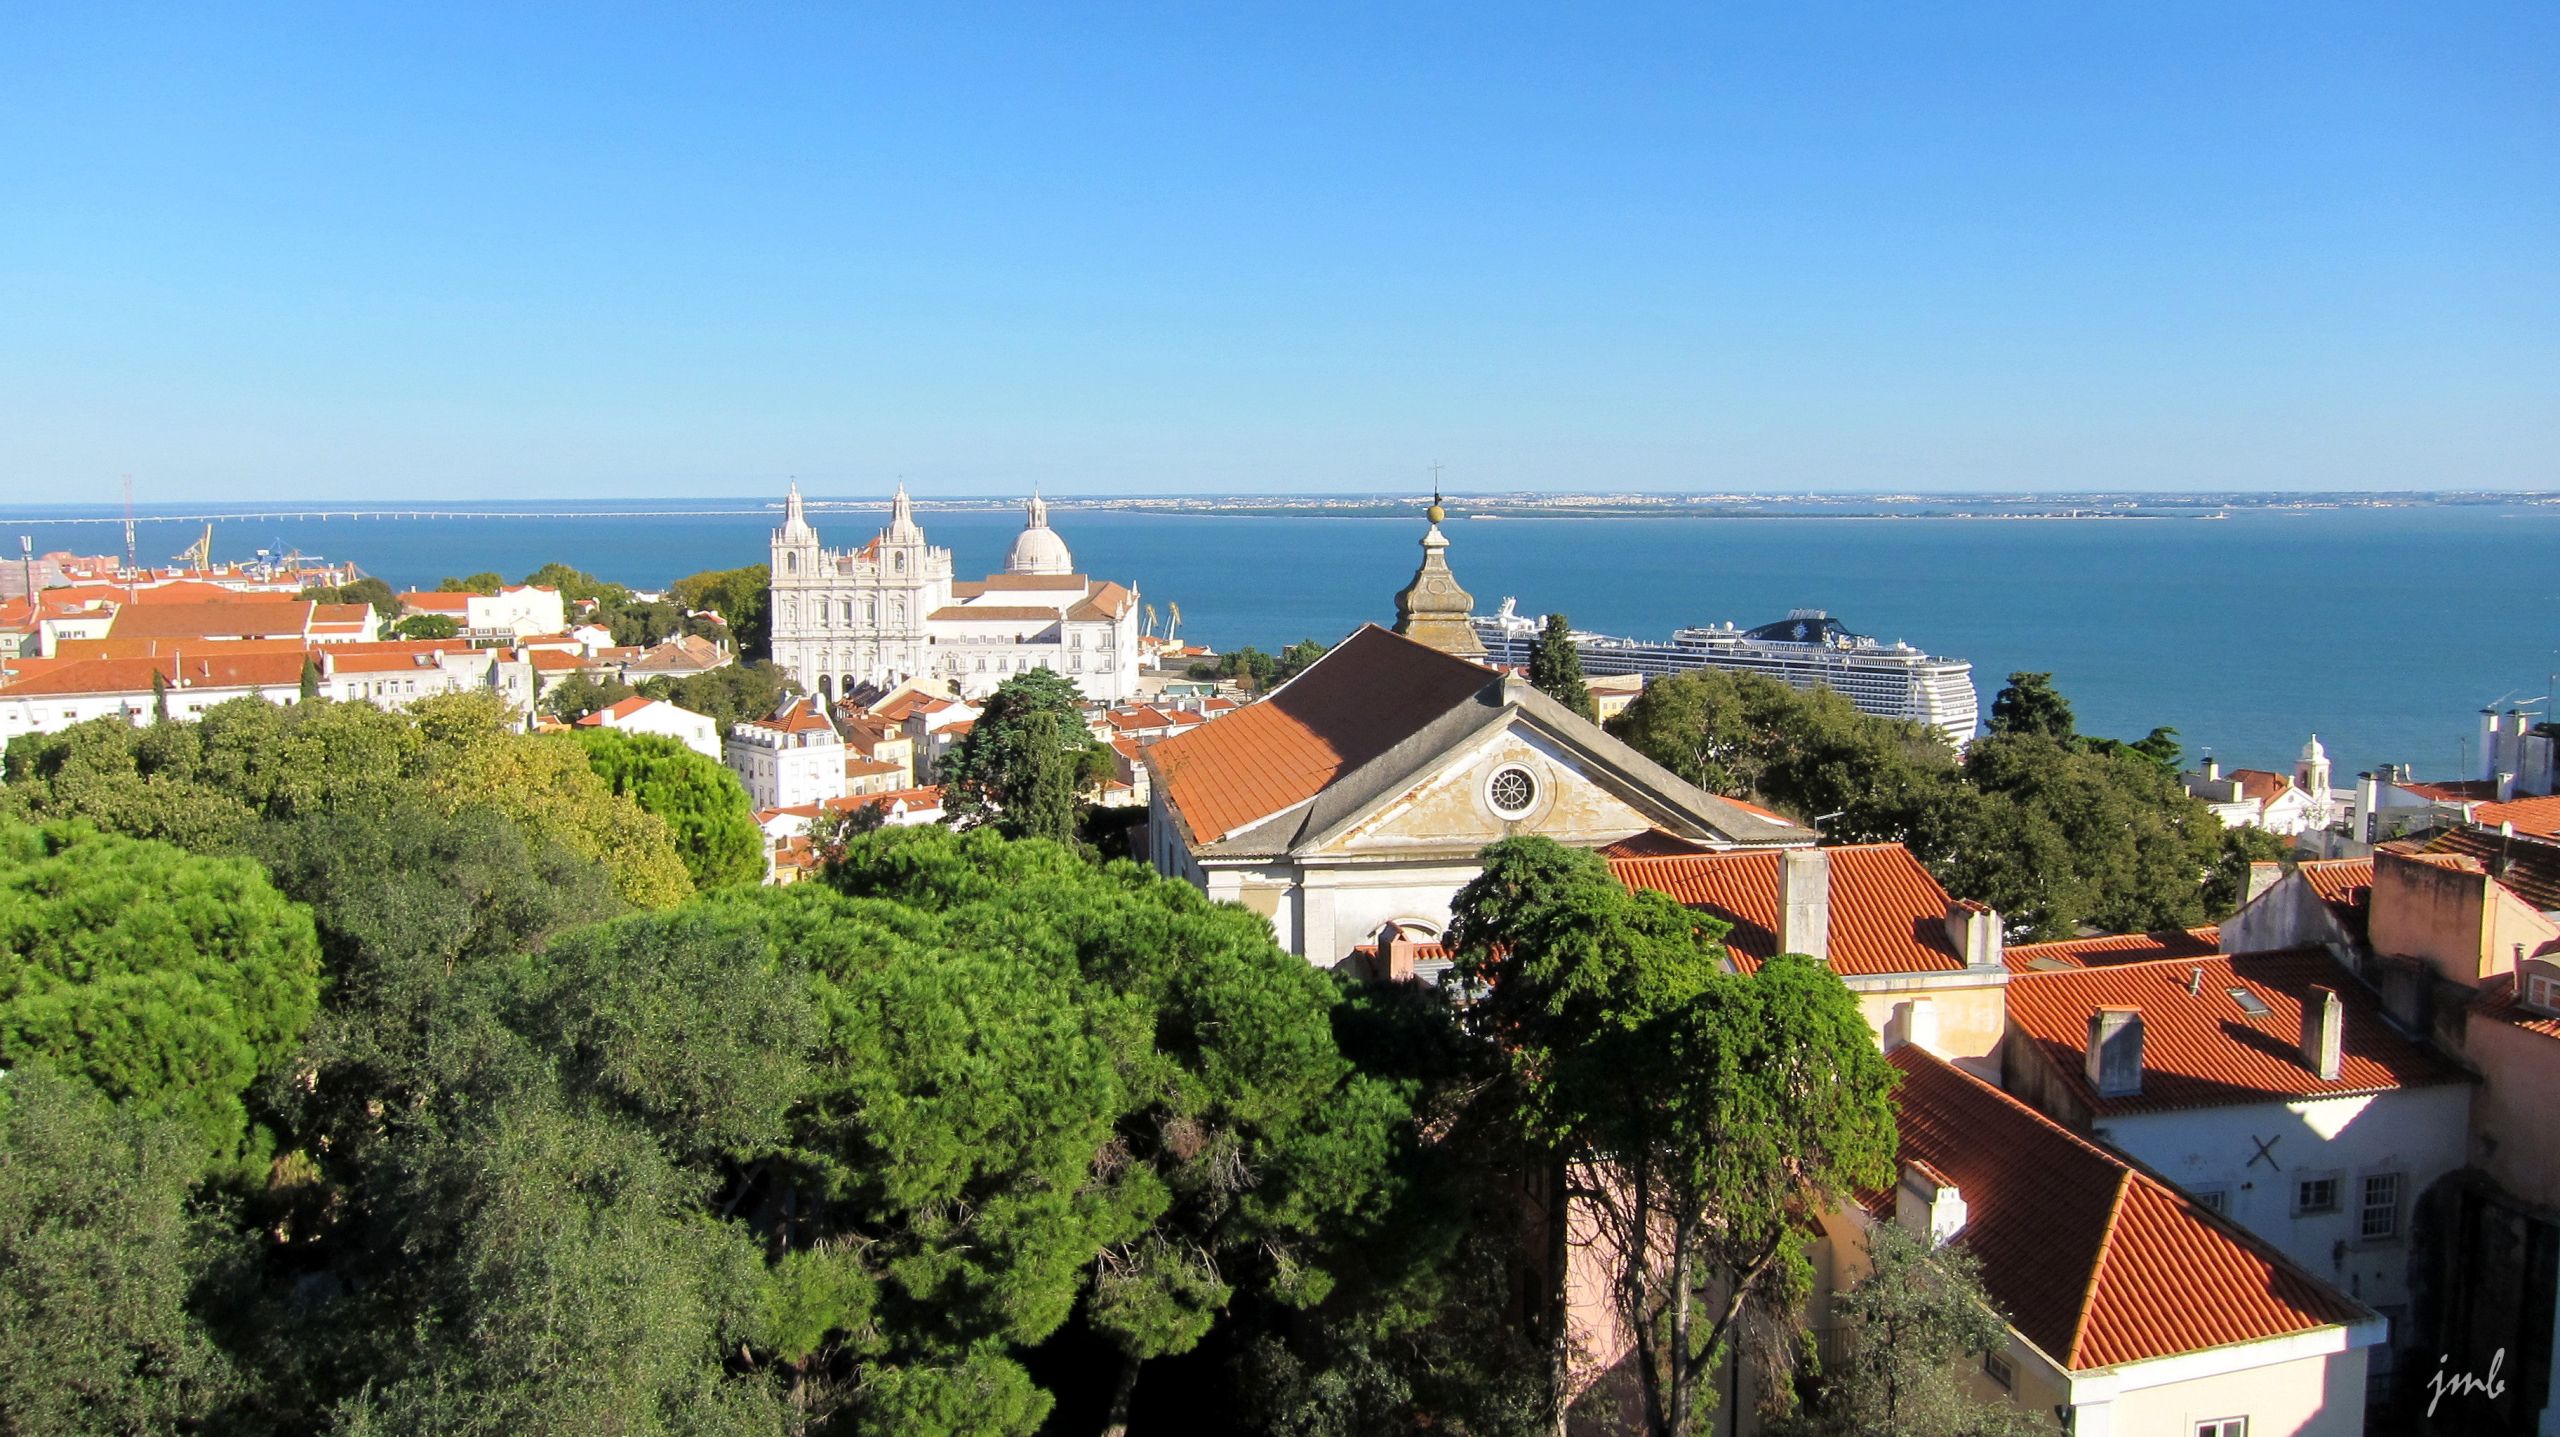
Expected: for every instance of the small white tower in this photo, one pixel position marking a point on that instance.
(2311, 775)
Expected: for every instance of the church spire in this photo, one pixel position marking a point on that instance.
(1433, 609)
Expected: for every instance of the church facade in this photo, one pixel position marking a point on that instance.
(892, 610)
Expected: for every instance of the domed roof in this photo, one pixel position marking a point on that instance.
(2312, 751)
(1038, 549)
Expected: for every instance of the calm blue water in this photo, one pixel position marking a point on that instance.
(2384, 630)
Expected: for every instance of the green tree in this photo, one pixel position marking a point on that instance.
(361, 591)
(1027, 760)
(579, 695)
(1296, 658)
(159, 697)
(484, 582)
(704, 805)
(167, 981)
(578, 586)
(2030, 705)
(726, 695)
(1697, 1118)
(1251, 1144)
(102, 1254)
(738, 596)
(1555, 668)
(2161, 747)
(310, 688)
(2242, 848)
(1915, 1321)
(426, 626)
(644, 624)
(543, 781)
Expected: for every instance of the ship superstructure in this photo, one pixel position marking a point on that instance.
(1805, 648)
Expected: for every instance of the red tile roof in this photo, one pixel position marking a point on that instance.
(212, 621)
(2467, 790)
(2096, 1261)
(1105, 600)
(1887, 914)
(1652, 843)
(133, 676)
(617, 711)
(998, 583)
(2500, 1000)
(2530, 866)
(2536, 817)
(2346, 885)
(2113, 948)
(1368, 694)
(2204, 1050)
(426, 603)
(2260, 785)
(801, 715)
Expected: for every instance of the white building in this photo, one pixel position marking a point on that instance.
(1360, 793)
(2133, 1310)
(657, 716)
(891, 611)
(795, 757)
(2267, 1086)
(390, 675)
(516, 611)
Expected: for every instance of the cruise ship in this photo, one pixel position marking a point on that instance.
(1805, 648)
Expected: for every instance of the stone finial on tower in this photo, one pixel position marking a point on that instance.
(1433, 609)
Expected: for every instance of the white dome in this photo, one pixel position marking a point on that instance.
(2312, 752)
(1038, 549)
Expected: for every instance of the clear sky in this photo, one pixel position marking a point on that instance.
(375, 250)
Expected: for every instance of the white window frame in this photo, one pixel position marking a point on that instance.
(2337, 1194)
(2365, 1208)
(2223, 1427)
(2216, 1199)
(2542, 991)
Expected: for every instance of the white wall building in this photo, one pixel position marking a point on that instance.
(795, 757)
(657, 716)
(891, 611)
(2267, 1086)
(517, 611)
(390, 675)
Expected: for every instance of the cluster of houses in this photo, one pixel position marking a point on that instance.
(180, 642)
(2278, 1176)
(2274, 1176)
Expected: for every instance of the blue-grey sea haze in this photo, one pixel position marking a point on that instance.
(2384, 630)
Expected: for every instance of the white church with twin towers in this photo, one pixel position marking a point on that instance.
(891, 611)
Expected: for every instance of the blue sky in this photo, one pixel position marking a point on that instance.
(361, 251)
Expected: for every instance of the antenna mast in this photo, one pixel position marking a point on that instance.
(128, 524)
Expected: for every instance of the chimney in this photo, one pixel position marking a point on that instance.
(1927, 1204)
(1919, 1023)
(2195, 981)
(2262, 876)
(1804, 902)
(1974, 930)
(2506, 787)
(2212, 768)
(2323, 1022)
(2114, 1059)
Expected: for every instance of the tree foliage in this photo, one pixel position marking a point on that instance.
(705, 807)
(203, 785)
(1027, 761)
(741, 597)
(98, 1327)
(1555, 668)
(1914, 1322)
(426, 626)
(485, 582)
(165, 980)
(1699, 1120)
(361, 591)
(726, 695)
(580, 694)
(2055, 833)
(2031, 706)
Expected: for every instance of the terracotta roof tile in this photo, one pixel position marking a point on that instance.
(133, 676)
(2205, 1050)
(1366, 695)
(1652, 843)
(2113, 948)
(2530, 866)
(419, 602)
(1105, 600)
(2499, 1000)
(2467, 790)
(2534, 817)
(1887, 914)
(213, 620)
(2346, 885)
(1050, 583)
(2260, 785)
(2096, 1261)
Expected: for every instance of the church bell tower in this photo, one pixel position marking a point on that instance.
(1433, 609)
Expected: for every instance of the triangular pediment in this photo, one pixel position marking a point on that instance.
(1511, 776)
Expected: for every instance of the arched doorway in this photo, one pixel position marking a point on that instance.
(826, 692)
